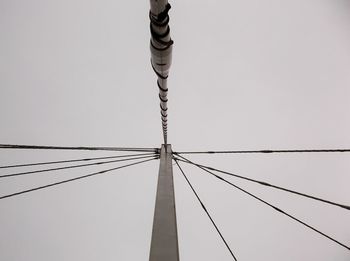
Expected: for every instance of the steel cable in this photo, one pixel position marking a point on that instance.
(278, 210)
(71, 167)
(36, 147)
(72, 179)
(266, 184)
(206, 211)
(262, 151)
(71, 160)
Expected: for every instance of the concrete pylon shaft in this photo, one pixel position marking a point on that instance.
(164, 244)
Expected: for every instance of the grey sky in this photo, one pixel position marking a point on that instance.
(245, 75)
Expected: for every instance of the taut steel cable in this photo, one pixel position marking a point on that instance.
(206, 211)
(265, 184)
(74, 166)
(70, 160)
(72, 179)
(276, 208)
(39, 147)
(262, 151)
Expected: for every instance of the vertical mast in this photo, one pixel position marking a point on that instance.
(164, 244)
(161, 53)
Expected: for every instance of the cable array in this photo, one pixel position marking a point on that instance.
(71, 160)
(276, 208)
(73, 166)
(263, 183)
(148, 154)
(205, 210)
(73, 179)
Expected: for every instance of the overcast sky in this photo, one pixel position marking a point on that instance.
(245, 75)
